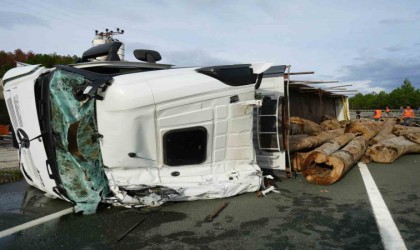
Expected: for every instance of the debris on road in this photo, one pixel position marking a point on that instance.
(216, 212)
(266, 191)
(129, 230)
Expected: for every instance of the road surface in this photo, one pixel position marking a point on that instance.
(301, 216)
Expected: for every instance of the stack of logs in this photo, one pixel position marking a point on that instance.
(325, 152)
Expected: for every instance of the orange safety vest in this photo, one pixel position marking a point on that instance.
(408, 113)
(377, 114)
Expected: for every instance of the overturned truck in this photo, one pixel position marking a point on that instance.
(143, 133)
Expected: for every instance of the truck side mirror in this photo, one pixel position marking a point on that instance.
(150, 56)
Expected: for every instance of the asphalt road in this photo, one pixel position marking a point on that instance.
(301, 216)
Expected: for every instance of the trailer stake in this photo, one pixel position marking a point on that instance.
(214, 214)
(129, 230)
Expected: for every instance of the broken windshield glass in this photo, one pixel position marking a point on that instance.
(78, 153)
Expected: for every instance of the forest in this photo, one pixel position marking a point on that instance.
(404, 95)
(8, 60)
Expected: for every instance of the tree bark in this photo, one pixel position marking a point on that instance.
(303, 126)
(330, 125)
(403, 130)
(336, 164)
(367, 129)
(321, 153)
(313, 141)
(389, 150)
(298, 160)
(383, 134)
(414, 137)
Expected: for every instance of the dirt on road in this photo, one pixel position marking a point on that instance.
(9, 164)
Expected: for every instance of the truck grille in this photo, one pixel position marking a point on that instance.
(17, 110)
(12, 113)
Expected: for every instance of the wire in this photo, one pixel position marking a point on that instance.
(87, 17)
(31, 10)
(72, 14)
(47, 14)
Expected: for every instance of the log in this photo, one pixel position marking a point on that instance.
(327, 117)
(390, 150)
(383, 134)
(400, 130)
(384, 138)
(298, 137)
(313, 141)
(337, 164)
(298, 160)
(368, 129)
(330, 125)
(414, 137)
(320, 154)
(303, 126)
(343, 123)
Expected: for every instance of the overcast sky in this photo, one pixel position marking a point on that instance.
(373, 45)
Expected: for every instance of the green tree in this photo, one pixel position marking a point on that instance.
(381, 100)
(406, 94)
(8, 61)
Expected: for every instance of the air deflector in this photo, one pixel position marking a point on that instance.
(233, 75)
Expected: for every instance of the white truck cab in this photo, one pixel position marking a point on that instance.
(142, 133)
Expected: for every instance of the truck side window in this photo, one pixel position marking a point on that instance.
(185, 146)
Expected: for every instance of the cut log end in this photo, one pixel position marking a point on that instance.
(337, 166)
(323, 173)
(320, 158)
(315, 156)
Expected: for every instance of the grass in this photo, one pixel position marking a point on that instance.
(10, 175)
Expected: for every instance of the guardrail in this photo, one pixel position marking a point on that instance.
(368, 113)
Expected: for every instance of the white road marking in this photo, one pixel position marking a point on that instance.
(33, 223)
(390, 235)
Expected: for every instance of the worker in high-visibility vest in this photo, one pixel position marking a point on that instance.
(377, 114)
(407, 116)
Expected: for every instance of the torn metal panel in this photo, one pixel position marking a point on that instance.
(78, 154)
(211, 187)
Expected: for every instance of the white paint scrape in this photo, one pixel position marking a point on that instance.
(389, 232)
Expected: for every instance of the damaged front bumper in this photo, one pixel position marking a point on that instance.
(213, 187)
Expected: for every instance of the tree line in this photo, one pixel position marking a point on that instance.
(404, 95)
(8, 61)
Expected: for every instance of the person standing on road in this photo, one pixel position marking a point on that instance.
(358, 114)
(387, 111)
(408, 114)
(377, 114)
